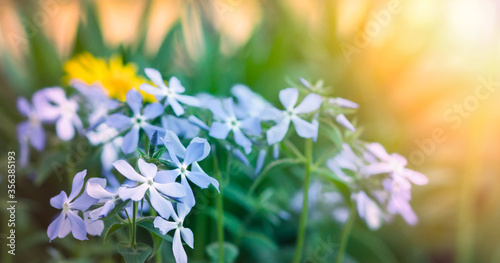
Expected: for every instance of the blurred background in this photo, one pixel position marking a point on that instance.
(425, 74)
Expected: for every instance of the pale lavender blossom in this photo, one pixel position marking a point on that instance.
(56, 107)
(187, 235)
(197, 150)
(69, 220)
(138, 121)
(226, 121)
(172, 94)
(288, 98)
(30, 131)
(393, 164)
(146, 182)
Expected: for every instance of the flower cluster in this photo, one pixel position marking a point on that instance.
(169, 139)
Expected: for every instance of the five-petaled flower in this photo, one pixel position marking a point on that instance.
(137, 122)
(197, 150)
(171, 93)
(226, 121)
(147, 180)
(69, 220)
(288, 98)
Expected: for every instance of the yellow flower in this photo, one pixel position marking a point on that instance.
(115, 78)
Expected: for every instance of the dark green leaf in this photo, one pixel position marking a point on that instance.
(136, 254)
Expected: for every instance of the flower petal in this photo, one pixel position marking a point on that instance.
(155, 76)
(53, 229)
(188, 100)
(187, 236)
(175, 84)
(119, 121)
(176, 144)
(134, 101)
(178, 249)
(194, 152)
(163, 225)
(160, 204)
(130, 140)
(215, 106)
(135, 193)
(83, 202)
(310, 103)
(189, 199)
(277, 133)
(167, 176)
(171, 189)
(305, 129)
(77, 184)
(77, 226)
(55, 226)
(157, 92)
(147, 169)
(200, 179)
(260, 161)
(178, 110)
(23, 106)
(64, 129)
(342, 120)
(58, 200)
(415, 177)
(153, 110)
(242, 140)
(128, 171)
(289, 97)
(219, 130)
(251, 126)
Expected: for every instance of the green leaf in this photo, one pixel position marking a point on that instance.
(112, 229)
(148, 225)
(136, 254)
(231, 252)
(261, 238)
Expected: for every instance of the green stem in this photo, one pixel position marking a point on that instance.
(134, 220)
(346, 232)
(220, 211)
(305, 204)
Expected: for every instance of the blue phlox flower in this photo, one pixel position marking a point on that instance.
(69, 220)
(288, 98)
(180, 231)
(226, 121)
(138, 121)
(171, 93)
(147, 182)
(197, 150)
